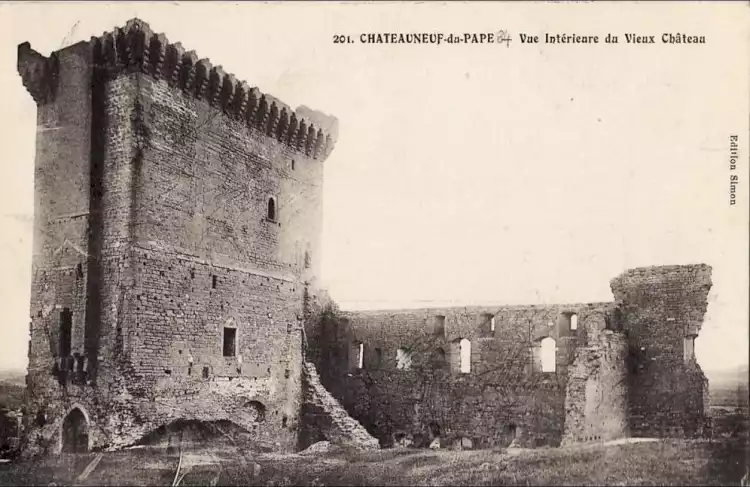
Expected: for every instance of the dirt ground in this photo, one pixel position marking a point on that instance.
(656, 462)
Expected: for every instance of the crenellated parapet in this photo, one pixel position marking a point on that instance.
(136, 48)
(38, 73)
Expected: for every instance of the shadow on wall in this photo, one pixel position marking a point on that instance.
(191, 433)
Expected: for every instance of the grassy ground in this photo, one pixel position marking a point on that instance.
(658, 463)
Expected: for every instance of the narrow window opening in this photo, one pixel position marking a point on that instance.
(465, 356)
(205, 372)
(548, 354)
(378, 358)
(292, 164)
(272, 209)
(66, 332)
(79, 271)
(230, 335)
(403, 358)
(283, 421)
(213, 282)
(574, 322)
(487, 324)
(438, 327)
(357, 355)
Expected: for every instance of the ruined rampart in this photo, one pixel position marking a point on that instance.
(525, 375)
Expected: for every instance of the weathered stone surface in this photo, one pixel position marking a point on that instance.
(662, 312)
(319, 447)
(154, 233)
(596, 400)
(324, 417)
(621, 368)
(504, 396)
(175, 205)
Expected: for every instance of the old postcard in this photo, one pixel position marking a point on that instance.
(351, 243)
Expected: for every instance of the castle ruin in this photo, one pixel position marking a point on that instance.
(176, 254)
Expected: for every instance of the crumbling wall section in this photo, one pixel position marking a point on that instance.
(504, 397)
(662, 311)
(325, 419)
(596, 401)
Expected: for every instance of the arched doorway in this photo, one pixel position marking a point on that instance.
(75, 432)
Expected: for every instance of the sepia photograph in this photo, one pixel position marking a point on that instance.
(374, 243)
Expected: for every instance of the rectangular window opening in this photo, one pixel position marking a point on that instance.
(66, 333)
(438, 327)
(487, 324)
(574, 322)
(403, 358)
(230, 335)
(213, 282)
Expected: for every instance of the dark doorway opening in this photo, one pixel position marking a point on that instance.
(434, 429)
(75, 434)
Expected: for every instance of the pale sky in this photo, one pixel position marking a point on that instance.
(472, 174)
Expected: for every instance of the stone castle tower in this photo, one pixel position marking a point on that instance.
(177, 235)
(176, 249)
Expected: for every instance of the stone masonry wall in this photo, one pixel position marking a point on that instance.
(206, 258)
(504, 397)
(596, 400)
(662, 308)
(173, 204)
(324, 419)
(61, 253)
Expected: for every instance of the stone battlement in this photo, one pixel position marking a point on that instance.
(135, 48)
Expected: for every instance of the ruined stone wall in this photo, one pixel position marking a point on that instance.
(178, 162)
(662, 308)
(505, 396)
(324, 419)
(596, 400)
(628, 369)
